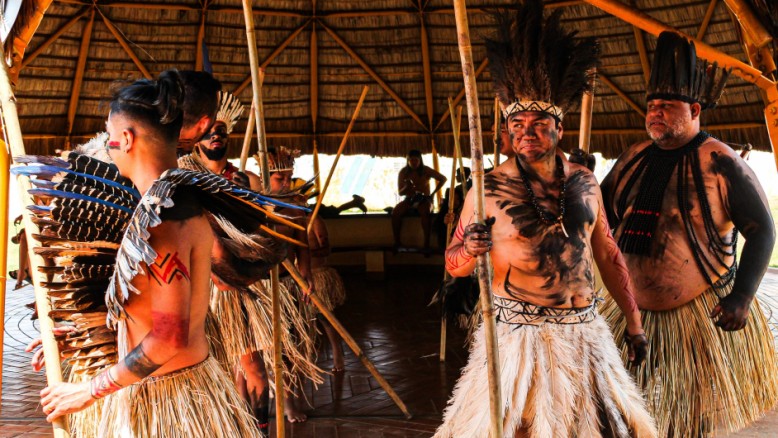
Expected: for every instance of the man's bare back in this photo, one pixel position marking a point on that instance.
(668, 276)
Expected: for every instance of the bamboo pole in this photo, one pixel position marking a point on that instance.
(337, 157)
(456, 128)
(497, 131)
(585, 128)
(449, 227)
(256, 86)
(298, 278)
(16, 144)
(316, 169)
(483, 264)
(436, 166)
(246, 149)
(5, 163)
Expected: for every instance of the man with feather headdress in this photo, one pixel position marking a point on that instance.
(560, 370)
(677, 203)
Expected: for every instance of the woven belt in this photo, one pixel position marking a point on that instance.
(523, 313)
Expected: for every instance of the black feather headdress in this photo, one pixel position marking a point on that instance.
(536, 65)
(677, 73)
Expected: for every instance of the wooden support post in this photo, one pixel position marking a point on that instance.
(201, 38)
(122, 42)
(706, 19)
(347, 338)
(481, 68)
(483, 265)
(58, 33)
(369, 70)
(622, 95)
(270, 57)
(337, 157)
(16, 145)
(78, 80)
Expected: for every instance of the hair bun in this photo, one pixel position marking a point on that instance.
(170, 96)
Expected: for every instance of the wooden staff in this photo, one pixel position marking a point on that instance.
(497, 131)
(436, 166)
(298, 278)
(337, 157)
(257, 76)
(585, 128)
(449, 227)
(5, 164)
(317, 177)
(456, 128)
(244, 153)
(50, 350)
(483, 264)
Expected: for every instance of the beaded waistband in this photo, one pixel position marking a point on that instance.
(522, 313)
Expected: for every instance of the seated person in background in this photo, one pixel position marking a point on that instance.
(445, 216)
(413, 182)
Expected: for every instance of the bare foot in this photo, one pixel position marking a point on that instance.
(293, 414)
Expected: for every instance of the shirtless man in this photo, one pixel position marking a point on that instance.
(200, 105)
(413, 182)
(682, 262)
(165, 324)
(560, 370)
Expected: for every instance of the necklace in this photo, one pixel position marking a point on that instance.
(546, 217)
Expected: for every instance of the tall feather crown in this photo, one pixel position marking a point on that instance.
(536, 65)
(229, 111)
(677, 73)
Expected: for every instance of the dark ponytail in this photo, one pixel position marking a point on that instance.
(156, 104)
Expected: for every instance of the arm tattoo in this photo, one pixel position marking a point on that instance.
(620, 272)
(139, 364)
(457, 258)
(103, 384)
(167, 268)
(460, 231)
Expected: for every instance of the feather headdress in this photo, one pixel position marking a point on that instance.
(230, 110)
(281, 159)
(536, 65)
(677, 73)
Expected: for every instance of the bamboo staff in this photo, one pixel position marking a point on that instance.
(337, 157)
(483, 264)
(449, 227)
(298, 278)
(317, 177)
(436, 166)
(585, 128)
(456, 128)
(50, 350)
(244, 152)
(257, 76)
(5, 163)
(497, 131)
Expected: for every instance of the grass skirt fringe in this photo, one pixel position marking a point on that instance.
(84, 424)
(199, 401)
(696, 376)
(329, 287)
(557, 380)
(244, 323)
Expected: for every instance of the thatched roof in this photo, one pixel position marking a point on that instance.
(385, 37)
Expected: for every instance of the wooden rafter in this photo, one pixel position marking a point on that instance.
(314, 77)
(426, 65)
(53, 37)
(19, 44)
(621, 94)
(640, 42)
(373, 74)
(706, 19)
(123, 42)
(171, 6)
(83, 52)
(201, 38)
(481, 68)
(277, 51)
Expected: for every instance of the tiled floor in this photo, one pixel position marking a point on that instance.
(392, 324)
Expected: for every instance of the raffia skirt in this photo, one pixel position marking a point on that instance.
(696, 376)
(329, 287)
(557, 380)
(243, 323)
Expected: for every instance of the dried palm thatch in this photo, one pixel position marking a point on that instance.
(316, 64)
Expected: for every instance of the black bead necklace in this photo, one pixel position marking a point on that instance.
(546, 217)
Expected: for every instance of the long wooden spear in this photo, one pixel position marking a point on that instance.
(337, 157)
(50, 350)
(585, 128)
(256, 86)
(298, 278)
(483, 264)
(497, 131)
(244, 152)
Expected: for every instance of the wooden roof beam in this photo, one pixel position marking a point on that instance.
(621, 94)
(461, 95)
(122, 42)
(17, 47)
(706, 20)
(53, 37)
(201, 38)
(271, 57)
(169, 6)
(83, 52)
(640, 42)
(426, 65)
(373, 74)
(655, 27)
(314, 77)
